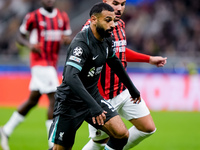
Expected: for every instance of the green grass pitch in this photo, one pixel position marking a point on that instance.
(175, 131)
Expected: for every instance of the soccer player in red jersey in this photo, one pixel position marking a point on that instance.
(116, 93)
(48, 28)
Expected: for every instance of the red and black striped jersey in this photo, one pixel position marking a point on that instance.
(46, 29)
(109, 84)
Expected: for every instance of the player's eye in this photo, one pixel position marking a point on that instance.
(123, 4)
(115, 3)
(108, 19)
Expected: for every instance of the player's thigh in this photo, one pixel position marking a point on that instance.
(115, 128)
(131, 110)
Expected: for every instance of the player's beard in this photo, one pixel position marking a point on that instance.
(103, 33)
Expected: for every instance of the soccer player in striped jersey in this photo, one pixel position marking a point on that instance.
(112, 89)
(47, 27)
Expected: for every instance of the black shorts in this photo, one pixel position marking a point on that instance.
(64, 127)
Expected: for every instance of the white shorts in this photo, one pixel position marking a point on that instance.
(44, 79)
(126, 109)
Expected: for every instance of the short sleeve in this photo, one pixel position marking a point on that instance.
(67, 27)
(27, 24)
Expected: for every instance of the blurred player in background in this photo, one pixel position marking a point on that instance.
(48, 28)
(116, 93)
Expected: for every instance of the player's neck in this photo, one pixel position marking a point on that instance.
(50, 10)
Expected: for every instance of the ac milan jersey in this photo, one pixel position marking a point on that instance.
(46, 29)
(109, 84)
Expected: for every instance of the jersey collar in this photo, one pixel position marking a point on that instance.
(48, 14)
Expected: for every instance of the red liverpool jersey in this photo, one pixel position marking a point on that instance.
(46, 29)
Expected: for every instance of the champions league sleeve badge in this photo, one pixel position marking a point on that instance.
(77, 51)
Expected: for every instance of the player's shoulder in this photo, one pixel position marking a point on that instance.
(86, 25)
(31, 14)
(80, 38)
(121, 23)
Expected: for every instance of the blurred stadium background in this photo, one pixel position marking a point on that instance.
(169, 28)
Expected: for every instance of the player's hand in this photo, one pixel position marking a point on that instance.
(136, 100)
(100, 118)
(36, 48)
(158, 61)
(65, 40)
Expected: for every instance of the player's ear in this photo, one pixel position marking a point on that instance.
(93, 19)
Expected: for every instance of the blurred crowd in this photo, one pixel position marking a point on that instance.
(159, 27)
(165, 27)
(12, 13)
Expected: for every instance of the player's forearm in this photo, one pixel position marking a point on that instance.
(66, 40)
(118, 68)
(72, 79)
(132, 56)
(22, 40)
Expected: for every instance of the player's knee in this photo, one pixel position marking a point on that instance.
(150, 129)
(121, 135)
(147, 128)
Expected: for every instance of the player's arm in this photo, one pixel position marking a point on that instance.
(72, 79)
(116, 65)
(22, 35)
(23, 40)
(132, 56)
(66, 37)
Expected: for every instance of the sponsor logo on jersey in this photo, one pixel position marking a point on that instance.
(119, 43)
(42, 23)
(51, 35)
(78, 51)
(94, 71)
(119, 46)
(91, 72)
(119, 49)
(74, 58)
(95, 57)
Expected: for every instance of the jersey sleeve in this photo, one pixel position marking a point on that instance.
(28, 23)
(77, 57)
(132, 56)
(67, 27)
(78, 54)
